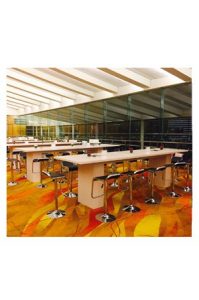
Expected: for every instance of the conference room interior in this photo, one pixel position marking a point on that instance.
(99, 152)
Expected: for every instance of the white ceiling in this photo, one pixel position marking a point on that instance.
(31, 90)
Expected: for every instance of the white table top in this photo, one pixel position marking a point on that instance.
(31, 144)
(65, 148)
(26, 144)
(84, 159)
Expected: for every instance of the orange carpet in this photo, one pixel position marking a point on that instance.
(27, 207)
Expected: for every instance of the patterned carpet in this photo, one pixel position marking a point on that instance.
(27, 206)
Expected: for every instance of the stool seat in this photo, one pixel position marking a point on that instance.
(48, 154)
(40, 159)
(54, 175)
(16, 152)
(70, 166)
(162, 168)
(136, 172)
(106, 177)
(180, 164)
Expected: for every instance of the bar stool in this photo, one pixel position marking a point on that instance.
(56, 213)
(50, 157)
(187, 157)
(12, 161)
(187, 188)
(40, 160)
(145, 163)
(104, 217)
(114, 167)
(174, 167)
(23, 156)
(17, 162)
(8, 151)
(71, 168)
(131, 207)
(153, 172)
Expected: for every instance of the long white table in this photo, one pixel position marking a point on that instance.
(12, 146)
(33, 174)
(91, 166)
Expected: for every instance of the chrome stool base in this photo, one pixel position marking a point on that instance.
(131, 208)
(105, 218)
(41, 186)
(187, 189)
(56, 214)
(70, 195)
(12, 183)
(151, 201)
(174, 195)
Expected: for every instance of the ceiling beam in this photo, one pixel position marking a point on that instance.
(30, 95)
(54, 81)
(27, 93)
(87, 79)
(13, 106)
(35, 86)
(20, 97)
(16, 104)
(183, 74)
(128, 76)
(21, 101)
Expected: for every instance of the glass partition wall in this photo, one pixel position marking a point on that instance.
(140, 119)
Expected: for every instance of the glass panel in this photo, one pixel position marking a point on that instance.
(140, 119)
